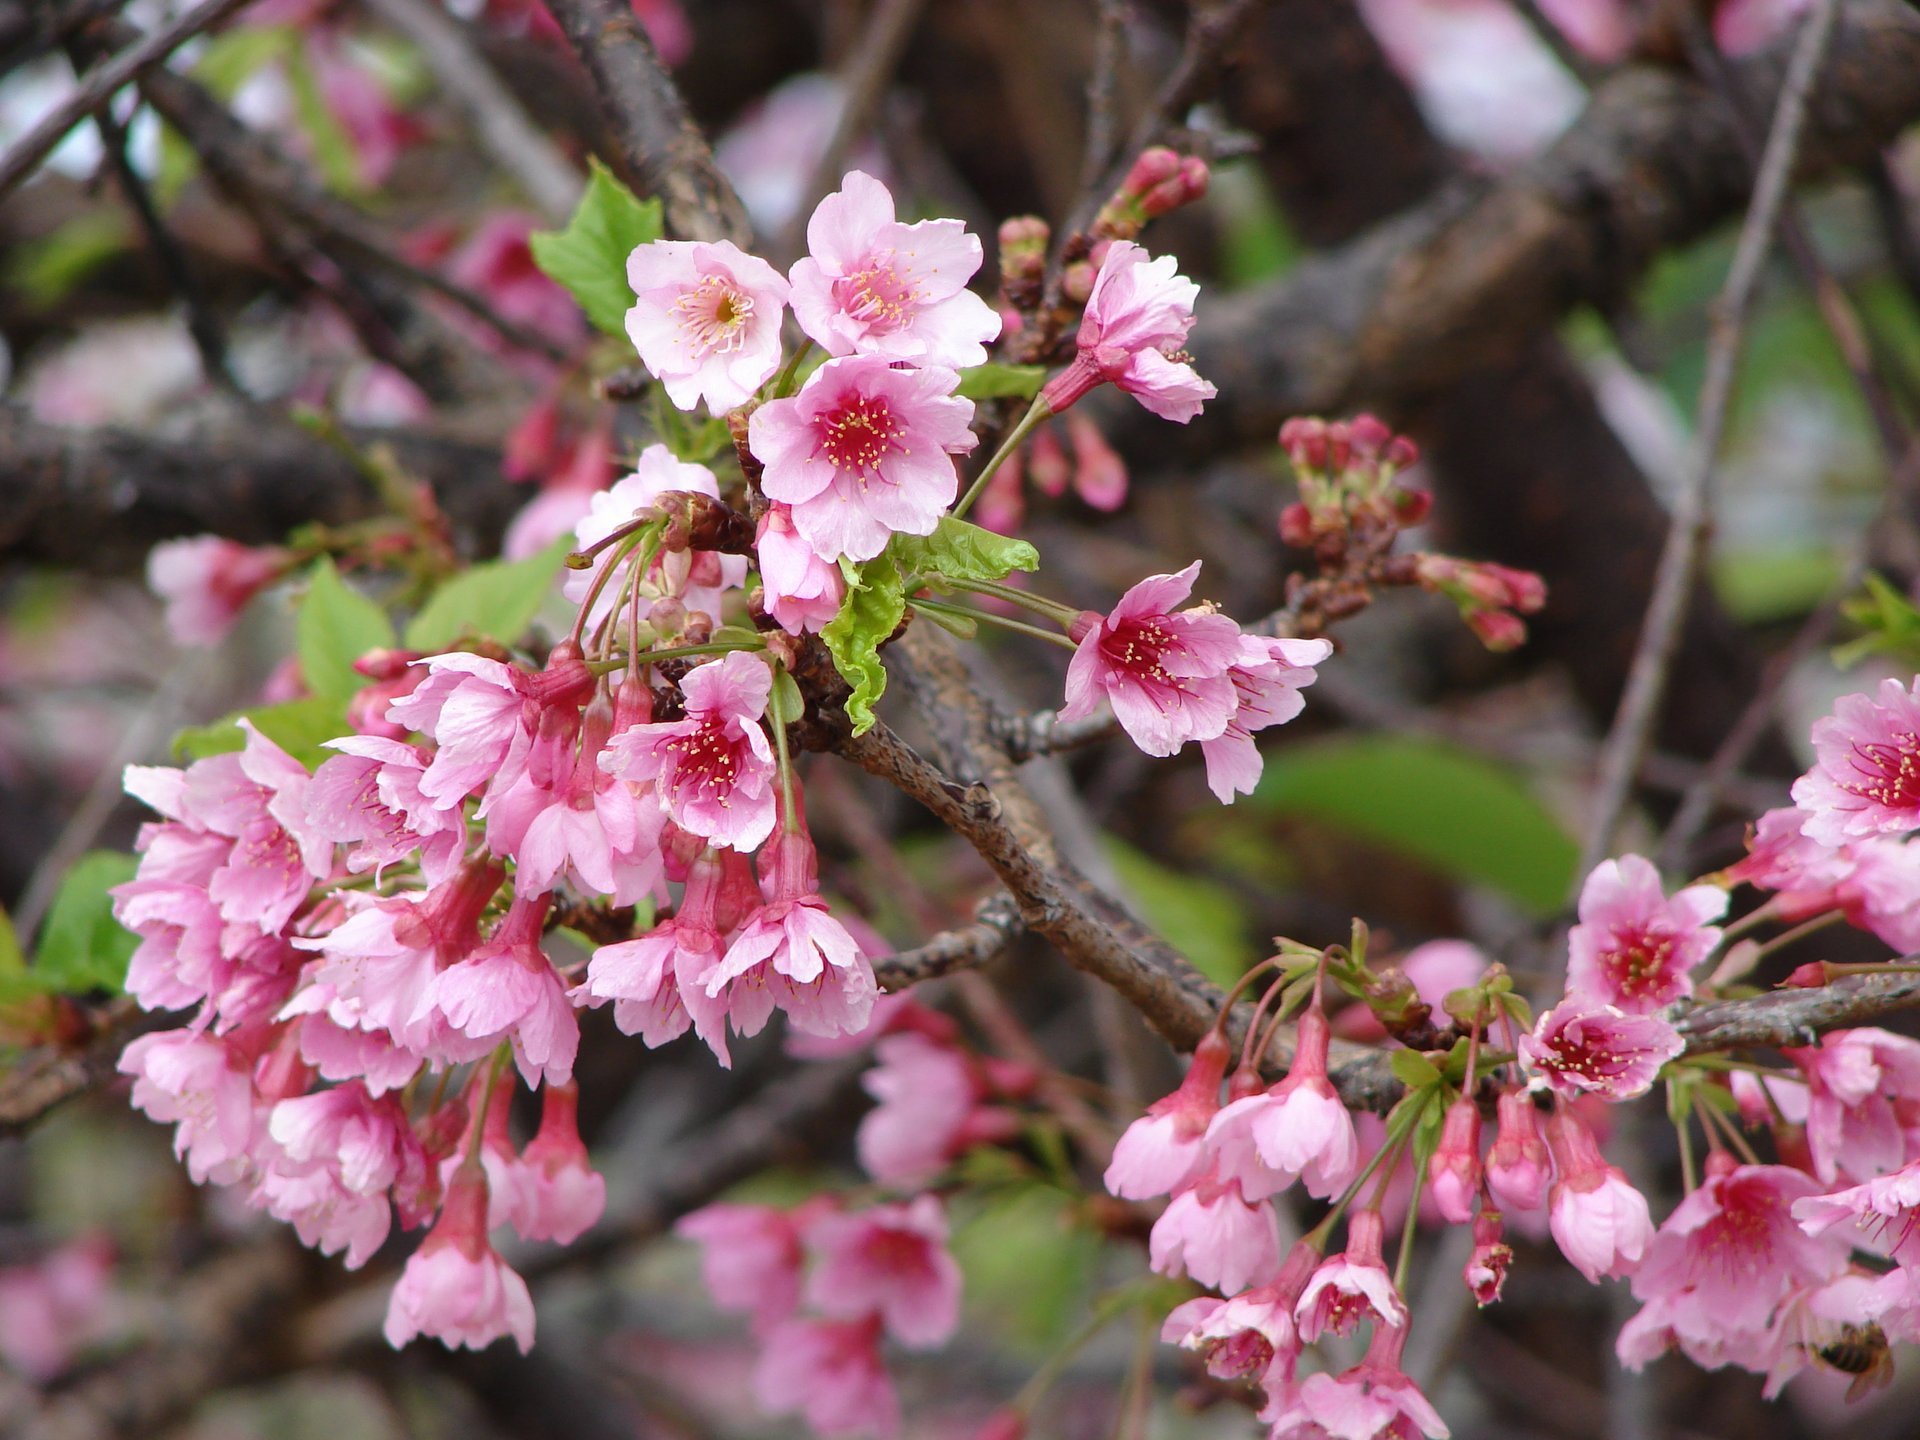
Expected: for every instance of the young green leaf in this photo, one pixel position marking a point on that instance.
(786, 704)
(336, 626)
(498, 600)
(82, 946)
(1414, 1070)
(962, 551)
(1001, 382)
(876, 599)
(296, 726)
(589, 257)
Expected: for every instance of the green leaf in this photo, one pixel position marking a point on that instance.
(1887, 620)
(1459, 813)
(12, 962)
(82, 946)
(1001, 382)
(1414, 1070)
(589, 257)
(786, 704)
(45, 271)
(333, 149)
(232, 57)
(336, 626)
(1765, 583)
(1026, 1263)
(962, 551)
(296, 726)
(1204, 918)
(498, 600)
(876, 599)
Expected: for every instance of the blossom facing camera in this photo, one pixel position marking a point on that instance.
(706, 321)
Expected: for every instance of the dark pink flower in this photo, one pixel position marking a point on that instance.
(1634, 949)
(1160, 1151)
(1253, 1335)
(750, 1257)
(707, 320)
(507, 989)
(1453, 1170)
(1486, 1268)
(1137, 318)
(864, 452)
(1167, 673)
(1352, 1286)
(713, 770)
(658, 981)
(926, 1094)
(206, 582)
(1211, 1231)
(1518, 1166)
(1599, 1221)
(1297, 1130)
(891, 1261)
(1866, 779)
(456, 1287)
(1856, 1080)
(1373, 1401)
(801, 591)
(1267, 681)
(830, 1371)
(870, 285)
(496, 261)
(1580, 1045)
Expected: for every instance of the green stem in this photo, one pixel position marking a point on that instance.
(783, 383)
(1398, 1129)
(1036, 412)
(787, 821)
(962, 612)
(1104, 1314)
(1039, 604)
(1798, 932)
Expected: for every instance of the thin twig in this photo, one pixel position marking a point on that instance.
(500, 123)
(100, 83)
(1102, 83)
(1555, 39)
(1692, 507)
(996, 925)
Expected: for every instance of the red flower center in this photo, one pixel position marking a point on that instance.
(1889, 771)
(859, 433)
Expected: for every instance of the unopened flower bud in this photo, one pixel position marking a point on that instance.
(1411, 507)
(1498, 630)
(1296, 526)
(1453, 1170)
(1047, 464)
(1486, 1272)
(1076, 283)
(1518, 1166)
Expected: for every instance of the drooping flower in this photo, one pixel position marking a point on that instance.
(1866, 778)
(1583, 1046)
(830, 1371)
(1160, 1151)
(1253, 1334)
(559, 1195)
(1518, 1165)
(202, 1085)
(1267, 681)
(1486, 1269)
(1297, 1130)
(1213, 1232)
(1634, 948)
(1352, 1286)
(1137, 318)
(658, 981)
(1375, 1400)
(713, 770)
(926, 1096)
(864, 452)
(750, 1257)
(870, 285)
(801, 591)
(456, 1287)
(1453, 1170)
(207, 581)
(707, 320)
(891, 1261)
(507, 989)
(1857, 1080)
(1165, 672)
(340, 1153)
(1599, 1221)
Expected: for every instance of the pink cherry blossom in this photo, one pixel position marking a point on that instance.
(801, 591)
(1856, 1079)
(1485, 1272)
(1866, 777)
(1373, 1401)
(1583, 1046)
(507, 989)
(1599, 1221)
(339, 1053)
(54, 1306)
(1634, 949)
(1160, 1151)
(496, 260)
(1352, 1286)
(864, 452)
(203, 1085)
(1165, 672)
(1253, 1334)
(1453, 1170)
(1886, 1207)
(1870, 881)
(1137, 318)
(891, 1261)
(368, 797)
(206, 582)
(1267, 681)
(830, 1371)
(707, 320)
(713, 770)
(340, 1153)
(658, 981)
(560, 1196)
(1211, 1231)
(794, 950)
(926, 1094)
(1518, 1166)
(456, 1287)
(870, 285)
(1297, 1130)
(750, 1257)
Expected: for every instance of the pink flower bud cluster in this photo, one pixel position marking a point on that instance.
(1159, 182)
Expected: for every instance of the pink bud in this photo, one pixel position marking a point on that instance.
(1296, 526)
(1453, 1170)
(1518, 1166)
(1486, 1272)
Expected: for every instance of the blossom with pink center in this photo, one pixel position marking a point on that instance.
(340, 1153)
(1253, 1334)
(1160, 1151)
(699, 579)
(1352, 1286)
(831, 1372)
(1856, 1080)
(368, 797)
(750, 1257)
(870, 285)
(658, 981)
(1634, 948)
(864, 452)
(927, 1095)
(794, 950)
(1373, 1401)
(558, 1195)
(891, 1261)
(1136, 322)
(1166, 673)
(713, 770)
(706, 321)
(1518, 1165)
(1453, 1170)
(507, 989)
(203, 1085)
(1866, 777)
(1886, 1207)
(456, 1287)
(1724, 1260)
(1599, 1221)
(1297, 1130)
(1211, 1231)
(206, 582)
(1267, 681)
(801, 591)
(1580, 1045)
